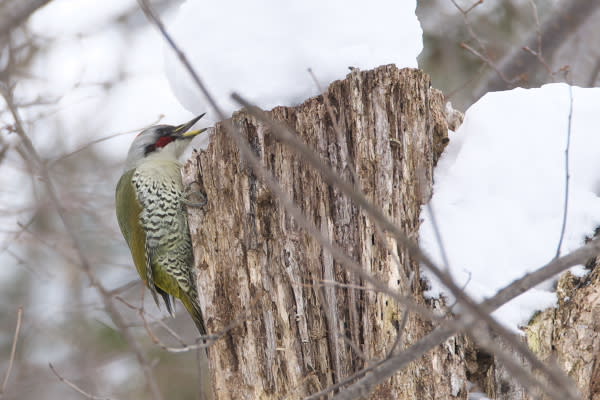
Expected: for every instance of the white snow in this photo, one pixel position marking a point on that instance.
(500, 186)
(87, 51)
(262, 49)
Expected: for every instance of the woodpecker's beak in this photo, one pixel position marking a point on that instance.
(182, 131)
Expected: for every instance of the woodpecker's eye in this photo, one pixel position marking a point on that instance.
(163, 141)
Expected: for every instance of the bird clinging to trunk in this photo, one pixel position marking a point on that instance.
(151, 213)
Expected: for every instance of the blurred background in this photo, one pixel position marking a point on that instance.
(71, 72)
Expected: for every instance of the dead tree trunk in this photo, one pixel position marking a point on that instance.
(569, 335)
(296, 321)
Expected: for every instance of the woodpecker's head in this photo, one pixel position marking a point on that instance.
(165, 141)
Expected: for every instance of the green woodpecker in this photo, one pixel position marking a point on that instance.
(151, 212)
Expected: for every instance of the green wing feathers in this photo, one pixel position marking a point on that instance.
(192, 306)
(128, 211)
(169, 270)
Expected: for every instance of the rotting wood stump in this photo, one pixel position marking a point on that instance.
(296, 321)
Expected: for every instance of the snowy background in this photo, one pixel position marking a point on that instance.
(101, 73)
(280, 41)
(499, 192)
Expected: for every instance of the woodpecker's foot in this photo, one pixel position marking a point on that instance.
(193, 196)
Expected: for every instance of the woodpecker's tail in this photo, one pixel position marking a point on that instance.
(192, 306)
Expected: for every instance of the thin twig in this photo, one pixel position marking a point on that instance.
(481, 53)
(16, 12)
(488, 62)
(52, 246)
(210, 339)
(142, 312)
(33, 158)
(542, 61)
(75, 387)
(554, 30)
(389, 367)
(354, 347)
(22, 228)
(344, 382)
(96, 141)
(468, 10)
(526, 378)
(538, 53)
(151, 15)
(475, 4)
(438, 237)
(567, 175)
(125, 287)
(13, 351)
(538, 29)
(207, 340)
(332, 283)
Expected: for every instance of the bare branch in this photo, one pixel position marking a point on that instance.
(438, 238)
(13, 351)
(481, 52)
(488, 61)
(207, 340)
(74, 386)
(553, 32)
(567, 175)
(39, 167)
(125, 287)
(184, 347)
(15, 12)
(152, 17)
(580, 256)
(344, 382)
(390, 366)
(100, 140)
(468, 10)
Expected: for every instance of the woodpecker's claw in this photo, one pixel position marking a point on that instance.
(200, 198)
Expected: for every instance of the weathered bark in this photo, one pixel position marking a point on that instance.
(569, 335)
(566, 337)
(261, 276)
